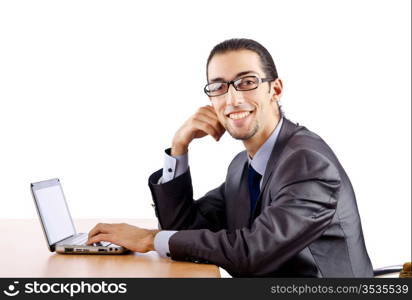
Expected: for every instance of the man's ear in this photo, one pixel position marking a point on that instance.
(277, 89)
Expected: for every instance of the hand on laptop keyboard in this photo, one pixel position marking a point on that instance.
(103, 244)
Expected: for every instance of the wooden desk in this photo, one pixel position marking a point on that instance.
(24, 253)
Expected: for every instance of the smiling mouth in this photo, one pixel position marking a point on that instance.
(239, 115)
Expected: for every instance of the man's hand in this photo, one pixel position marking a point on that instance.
(203, 122)
(131, 237)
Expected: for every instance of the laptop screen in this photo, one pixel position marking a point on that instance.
(53, 210)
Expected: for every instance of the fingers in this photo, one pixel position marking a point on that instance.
(208, 111)
(206, 120)
(204, 126)
(107, 237)
(99, 228)
(203, 122)
(213, 128)
(212, 114)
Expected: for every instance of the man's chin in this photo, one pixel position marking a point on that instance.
(243, 135)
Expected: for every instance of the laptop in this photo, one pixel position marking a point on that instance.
(57, 223)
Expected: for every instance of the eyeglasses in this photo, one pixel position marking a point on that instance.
(247, 83)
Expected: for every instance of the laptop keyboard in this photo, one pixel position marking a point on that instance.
(81, 240)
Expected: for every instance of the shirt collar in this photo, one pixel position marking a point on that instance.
(261, 158)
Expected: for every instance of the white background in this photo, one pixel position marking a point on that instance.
(93, 91)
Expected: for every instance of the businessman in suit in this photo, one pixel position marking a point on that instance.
(286, 208)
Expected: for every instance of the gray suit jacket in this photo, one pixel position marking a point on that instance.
(306, 223)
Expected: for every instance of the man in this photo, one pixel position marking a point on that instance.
(287, 207)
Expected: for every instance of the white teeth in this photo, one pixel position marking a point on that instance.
(241, 115)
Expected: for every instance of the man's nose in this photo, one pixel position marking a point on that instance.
(234, 97)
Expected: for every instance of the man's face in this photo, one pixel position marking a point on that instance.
(244, 114)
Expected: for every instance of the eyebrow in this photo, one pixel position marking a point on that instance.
(220, 79)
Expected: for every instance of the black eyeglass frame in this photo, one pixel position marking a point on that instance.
(232, 82)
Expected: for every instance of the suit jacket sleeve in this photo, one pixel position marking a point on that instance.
(304, 193)
(176, 209)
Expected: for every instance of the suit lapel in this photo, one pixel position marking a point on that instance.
(239, 194)
(285, 133)
(287, 130)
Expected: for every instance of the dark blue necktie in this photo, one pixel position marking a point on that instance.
(253, 181)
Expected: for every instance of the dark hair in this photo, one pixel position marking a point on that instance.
(266, 59)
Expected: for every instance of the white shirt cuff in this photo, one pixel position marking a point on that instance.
(161, 242)
(174, 166)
